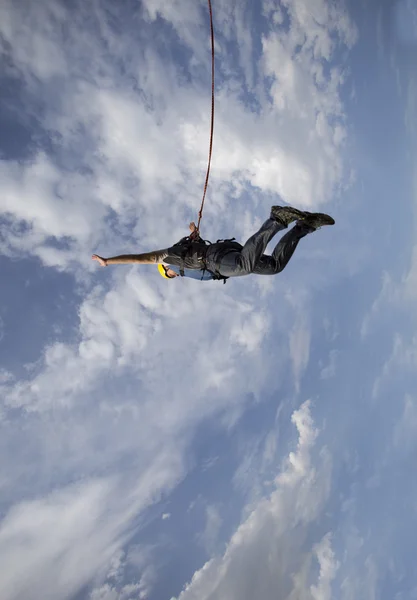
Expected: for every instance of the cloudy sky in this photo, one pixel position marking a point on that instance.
(201, 441)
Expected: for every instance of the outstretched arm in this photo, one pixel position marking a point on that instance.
(147, 258)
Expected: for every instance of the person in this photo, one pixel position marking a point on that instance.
(198, 259)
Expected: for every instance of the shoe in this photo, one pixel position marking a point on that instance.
(316, 220)
(286, 214)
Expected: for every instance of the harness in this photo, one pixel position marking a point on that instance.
(186, 248)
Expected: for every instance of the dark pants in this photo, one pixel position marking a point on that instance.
(251, 259)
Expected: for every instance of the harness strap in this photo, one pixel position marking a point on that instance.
(186, 243)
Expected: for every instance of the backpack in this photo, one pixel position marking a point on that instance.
(190, 250)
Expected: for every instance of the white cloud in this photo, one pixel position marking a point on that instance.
(396, 298)
(107, 592)
(209, 537)
(322, 553)
(115, 589)
(270, 544)
(329, 371)
(115, 408)
(300, 335)
(5, 376)
(410, 283)
(387, 295)
(328, 568)
(403, 359)
(38, 54)
(92, 405)
(250, 331)
(299, 340)
(67, 538)
(363, 583)
(142, 152)
(59, 532)
(405, 430)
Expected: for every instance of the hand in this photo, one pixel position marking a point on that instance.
(195, 234)
(101, 261)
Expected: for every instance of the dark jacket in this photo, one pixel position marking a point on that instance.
(187, 254)
(201, 255)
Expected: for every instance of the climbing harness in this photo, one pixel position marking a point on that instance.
(188, 246)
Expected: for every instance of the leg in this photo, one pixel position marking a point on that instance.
(147, 258)
(270, 265)
(257, 243)
(236, 263)
(255, 247)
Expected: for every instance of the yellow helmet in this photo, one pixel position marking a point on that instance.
(163, 272)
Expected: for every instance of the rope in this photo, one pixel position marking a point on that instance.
(200, 214)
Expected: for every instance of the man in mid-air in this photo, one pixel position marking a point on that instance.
(193, 257)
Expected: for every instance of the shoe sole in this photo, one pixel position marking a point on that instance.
(287, 210)
(301, 215)
(321, 217)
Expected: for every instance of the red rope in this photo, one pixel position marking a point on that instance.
(200, 214)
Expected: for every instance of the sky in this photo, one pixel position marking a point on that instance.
(182, 440)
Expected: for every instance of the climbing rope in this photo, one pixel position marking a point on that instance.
(200, 214)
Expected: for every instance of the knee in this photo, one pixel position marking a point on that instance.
(279, 267)
(245, 266)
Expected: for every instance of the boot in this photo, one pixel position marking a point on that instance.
(286, 214)
(316, 220)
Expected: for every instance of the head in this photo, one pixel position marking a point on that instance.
(166, 272)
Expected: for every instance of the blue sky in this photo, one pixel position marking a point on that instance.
(183, 440)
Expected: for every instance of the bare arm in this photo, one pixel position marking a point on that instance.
(147, 258)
